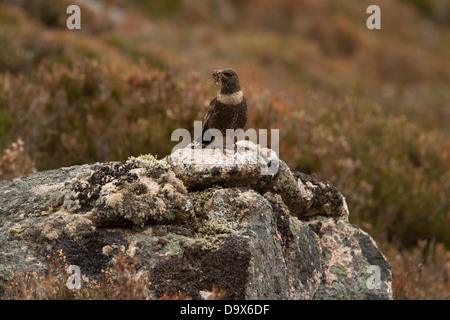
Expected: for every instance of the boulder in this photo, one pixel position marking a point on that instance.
(196, 220)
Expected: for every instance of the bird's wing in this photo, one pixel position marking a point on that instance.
(208, 114)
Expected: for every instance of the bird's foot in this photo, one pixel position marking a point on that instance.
(196, 145)
(227, 150)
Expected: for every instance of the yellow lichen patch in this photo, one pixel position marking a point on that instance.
(78, 225)
(114, 200)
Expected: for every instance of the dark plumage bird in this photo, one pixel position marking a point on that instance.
(228, 110)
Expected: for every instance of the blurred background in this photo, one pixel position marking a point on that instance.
(368, 110)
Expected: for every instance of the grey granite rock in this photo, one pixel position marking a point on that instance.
(194, 220)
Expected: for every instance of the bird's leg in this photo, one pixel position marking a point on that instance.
(224, 151)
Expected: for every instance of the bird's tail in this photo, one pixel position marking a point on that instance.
(200, 140)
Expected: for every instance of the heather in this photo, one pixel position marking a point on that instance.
(367, 110)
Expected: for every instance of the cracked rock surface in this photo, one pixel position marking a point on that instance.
(196, 219)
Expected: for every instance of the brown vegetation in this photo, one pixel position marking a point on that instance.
(120, 282)
(14, 162)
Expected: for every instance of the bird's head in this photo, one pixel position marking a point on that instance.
(229, 78)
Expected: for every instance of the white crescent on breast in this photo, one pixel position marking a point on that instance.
(230, 99)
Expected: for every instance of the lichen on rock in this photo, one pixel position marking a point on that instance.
(195, 220)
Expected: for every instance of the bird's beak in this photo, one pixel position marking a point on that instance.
(217, 75)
